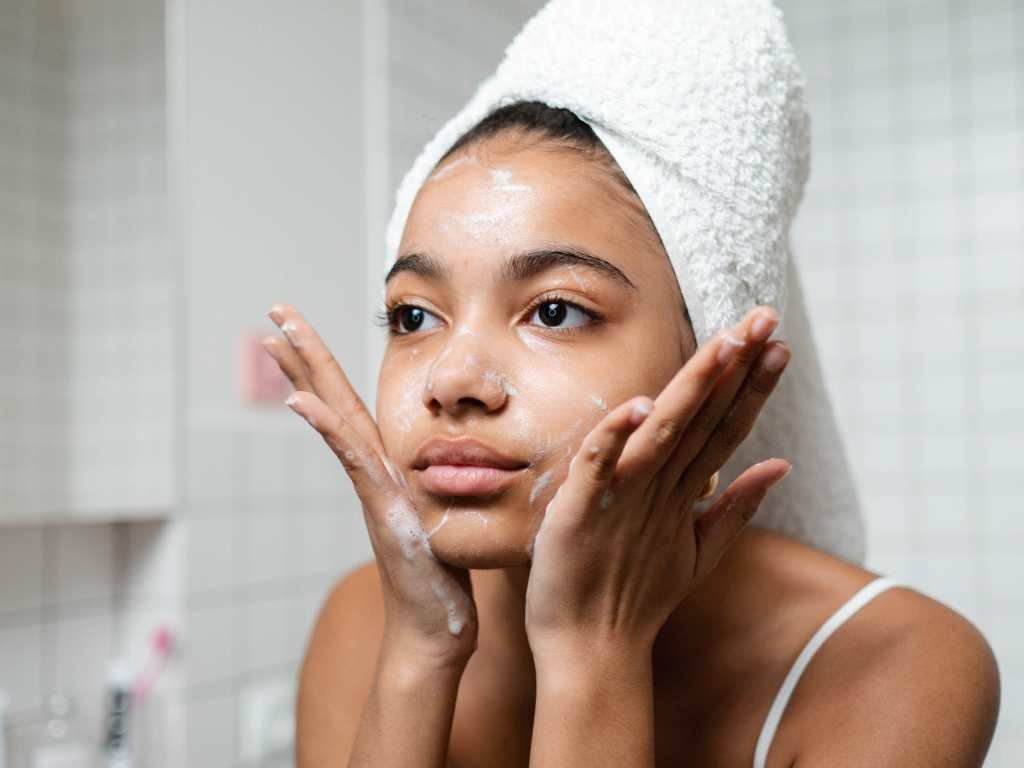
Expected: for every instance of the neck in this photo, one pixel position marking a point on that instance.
(500, 596)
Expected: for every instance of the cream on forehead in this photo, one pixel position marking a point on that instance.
(501, 180)
(500, 210)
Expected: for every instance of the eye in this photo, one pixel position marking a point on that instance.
(403, 319)
(561, 315)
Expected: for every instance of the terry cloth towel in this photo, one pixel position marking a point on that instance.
(701, 104)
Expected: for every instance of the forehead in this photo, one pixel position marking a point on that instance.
(509, 199)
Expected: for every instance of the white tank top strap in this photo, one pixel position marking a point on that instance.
(868, 592)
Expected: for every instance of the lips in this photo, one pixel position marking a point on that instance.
(465, 467)
(465, 451)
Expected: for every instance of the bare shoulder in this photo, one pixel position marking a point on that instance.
(353, 595)
(337, 670)
(906, 680)
(350, 619)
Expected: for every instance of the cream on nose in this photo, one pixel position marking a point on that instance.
(463, 371)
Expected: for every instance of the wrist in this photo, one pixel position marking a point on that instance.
(567, 647)
(406, 658)
(581, 665)
(409, 676)
(595, 689)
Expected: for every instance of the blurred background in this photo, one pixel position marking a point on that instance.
(168, 170)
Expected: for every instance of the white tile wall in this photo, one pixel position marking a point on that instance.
(210, 731)
(911, 241)
(116, 255)
(33, 338)
(21, 663)
(21, 552)
(87, 391)
(85, 387)
(57, 615)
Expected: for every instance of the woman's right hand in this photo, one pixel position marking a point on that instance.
(429, 608)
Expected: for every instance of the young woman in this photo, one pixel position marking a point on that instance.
(544, 591)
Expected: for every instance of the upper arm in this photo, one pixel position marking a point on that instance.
(337, 671)
(930, 698)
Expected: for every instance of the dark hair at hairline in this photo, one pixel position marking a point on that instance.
(563, 127)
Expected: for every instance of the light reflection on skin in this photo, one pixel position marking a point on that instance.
(488, 368)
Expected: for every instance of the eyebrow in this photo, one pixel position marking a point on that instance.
(521, 266)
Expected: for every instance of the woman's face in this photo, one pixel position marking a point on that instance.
(525, 353)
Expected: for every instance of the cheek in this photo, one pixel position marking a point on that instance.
(563, 398)
(557, 407)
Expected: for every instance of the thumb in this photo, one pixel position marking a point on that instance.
(718, 528)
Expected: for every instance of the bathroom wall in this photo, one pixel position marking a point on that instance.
(910, 240)
(87, 272)
(254, 519)
(33, 332)
(117, 260)
(266, 140)
(85, 388)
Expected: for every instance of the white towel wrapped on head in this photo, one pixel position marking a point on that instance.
(701, 104)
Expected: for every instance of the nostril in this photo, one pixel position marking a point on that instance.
(462, 404)
(469, 404)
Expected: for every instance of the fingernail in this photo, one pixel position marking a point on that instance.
(784, 475)
(727, 347)
(765, 323)
(276, 314)
(291, 402)
(289, 329)
(641, 410)
(775, 358)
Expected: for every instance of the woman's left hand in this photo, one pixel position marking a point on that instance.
(618, 548)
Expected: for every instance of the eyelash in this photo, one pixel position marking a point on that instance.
(388, 316)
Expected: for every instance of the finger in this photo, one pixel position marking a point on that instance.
(734, 428)
(386, 507)
(374, 480)
(755, 329)
(681, 401)
(717, 529)
(329, 381)
(289, 362)
(593, 467)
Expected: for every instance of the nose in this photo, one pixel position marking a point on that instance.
(464, 376)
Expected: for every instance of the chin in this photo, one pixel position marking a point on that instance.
(479, 538)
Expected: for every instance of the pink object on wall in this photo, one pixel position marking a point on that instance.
(262, 380)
